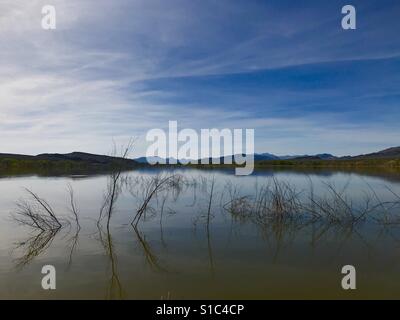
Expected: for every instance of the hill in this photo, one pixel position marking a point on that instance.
(67, 161)
(390, 153)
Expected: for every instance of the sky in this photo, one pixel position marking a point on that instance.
(116, 69)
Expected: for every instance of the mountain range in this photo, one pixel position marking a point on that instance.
(99, 160)
(262, 157)
(389, 153)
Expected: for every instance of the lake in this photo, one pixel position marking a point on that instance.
(205, 234)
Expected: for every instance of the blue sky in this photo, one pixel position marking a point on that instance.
(115, 69)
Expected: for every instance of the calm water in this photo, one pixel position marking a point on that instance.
(188, 247)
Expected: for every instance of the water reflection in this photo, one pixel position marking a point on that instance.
(114, 188)
(151, 258)
(287, 218)
(115, 290)
(34, 246)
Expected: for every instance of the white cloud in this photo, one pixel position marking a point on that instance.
(81, 85)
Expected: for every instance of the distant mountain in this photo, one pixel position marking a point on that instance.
(265, 156)
(290, 157)
(393, 152)
(257, 157)
(326, 156)
(145, 159)
(322, 156)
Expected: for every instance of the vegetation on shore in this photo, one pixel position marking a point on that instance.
(7, 163)
(392, 165)
(81, 163)
(348, 163)
(57, 163)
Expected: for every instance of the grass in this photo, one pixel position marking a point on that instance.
(278, 201)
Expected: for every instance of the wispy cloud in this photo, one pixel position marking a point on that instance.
(115, 69)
